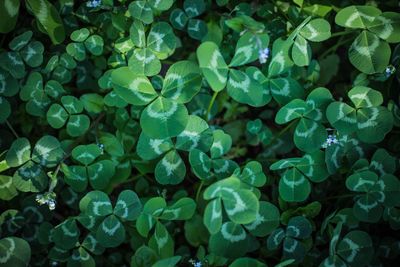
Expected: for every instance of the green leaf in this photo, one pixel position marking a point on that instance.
(267, 220)
(160, 5)
(309, 135)
(112, 145)
(33, 54)
(164, 118)
(111, 232)
(19, 152)
(213, 65)
(149, 148)
(221, 145)
(47, 151)
(301, 52)
(197, 135)
(183, 209)
(275, 239)
(30, 178)
(293, 249)
(342, 117)
(96, 203)
(80, 35)
(48, 17)
(369, 54)
(128, 206)
(280, 61)
(77, 51)
(94, 44)
(7, 188)
(242, 88)
(162, 242)
(213, 216)
(387, 26)
(294, 186)
(178, 19)
(356, 248)
(14, 251)
(200, 163)
(100, 173)
(241, 205)
(141, 10)
(247, 48)
(86, 154)
(197, 29)
(13, 63)
(230, 242)
(182, 81)
(161, 40)
(144, 61)
(77, 125)
(169, 262)
(134, 89)
(66, 234)
(20, 41)
(253, 174)
(171, 169)
(194, 8)
(317, 30)
(56, 116)
(9, 11)
(299, 227)
(357, 17)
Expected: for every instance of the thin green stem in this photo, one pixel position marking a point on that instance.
(338, 197)
(336, 34)
(12, 129)
(210, 105)
(199, 190)
(284, 130)
(335, 47)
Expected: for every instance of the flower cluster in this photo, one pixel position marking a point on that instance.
(330, 140)
(263, 55)
(47, 198)
(93, 3)
(390, 70)
(196, 263)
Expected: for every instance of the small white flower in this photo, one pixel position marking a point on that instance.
(48, 199)
(390, 70)
(263, 55)
(93, 3)
(330, 140)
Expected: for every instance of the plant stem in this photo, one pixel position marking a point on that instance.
(210, 105)
(12, 129)
(284, 130)
(338, 197)
(198, 191)
(335, 47)
(336, 34)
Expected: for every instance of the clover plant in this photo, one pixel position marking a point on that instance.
(161, 133)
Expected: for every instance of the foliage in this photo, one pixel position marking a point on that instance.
(198, 132)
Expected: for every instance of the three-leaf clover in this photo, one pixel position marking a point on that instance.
(31, 176)
(69, 113)
(96, 172)
(40, 96)
(180, 19)
(294, 185)
(370, 51)
(23, 51)
(368, 119)
(310, 133)
(111, 232)
(298, 229)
